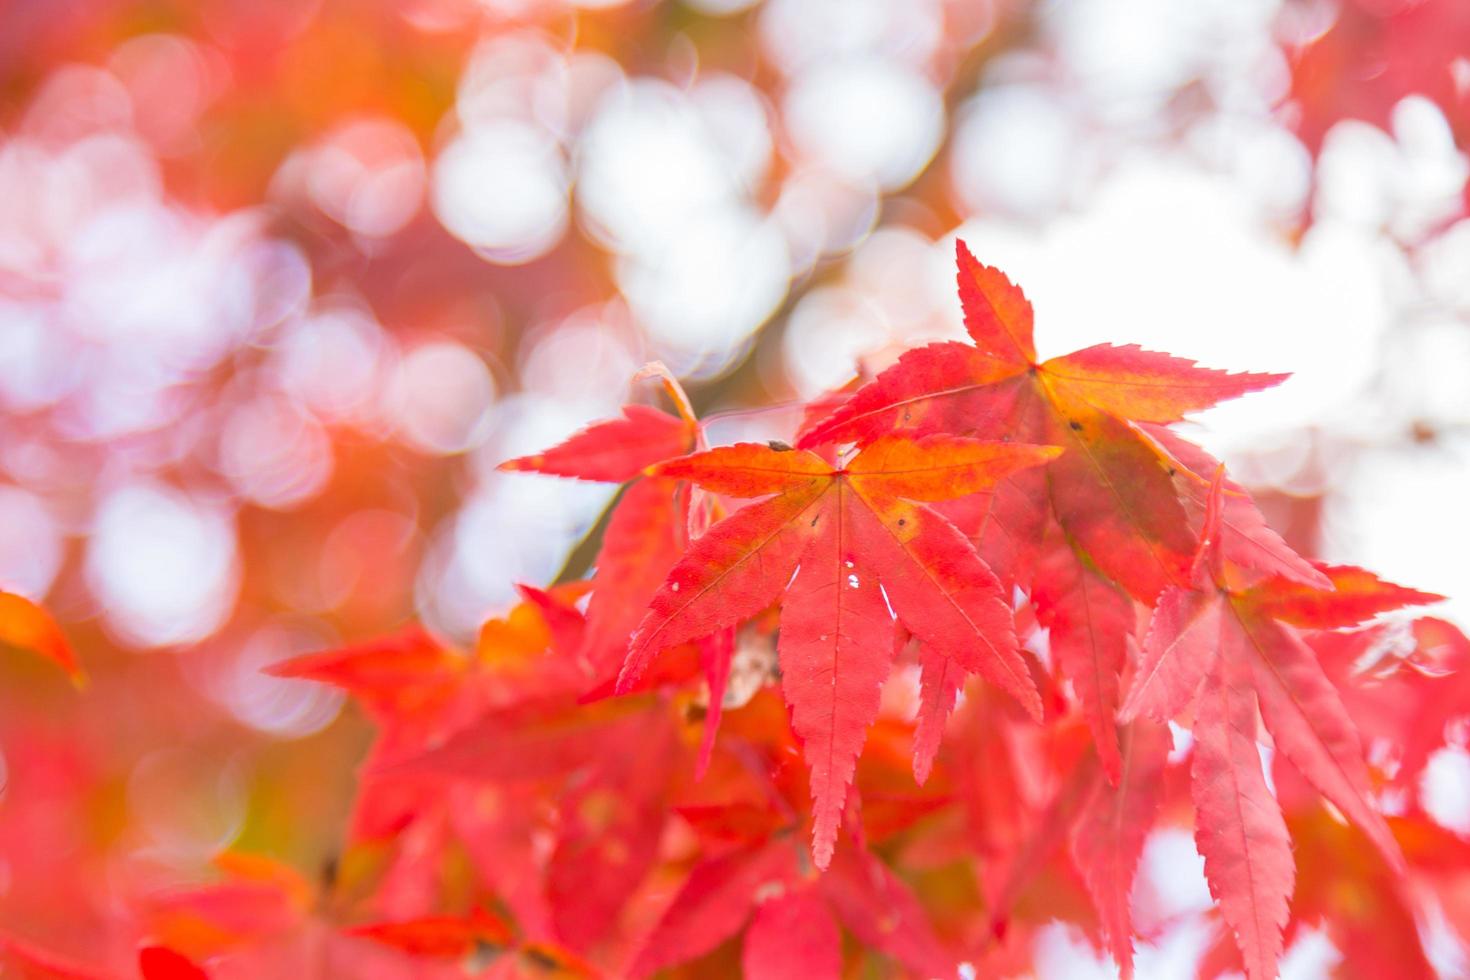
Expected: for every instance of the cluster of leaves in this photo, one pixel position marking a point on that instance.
(709, 756)
(1370, 57)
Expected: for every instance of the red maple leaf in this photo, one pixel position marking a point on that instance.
(793, 919)
(1111, 487)
(647, 529)
(1229, 650)
(847, 529)
(1107, 840)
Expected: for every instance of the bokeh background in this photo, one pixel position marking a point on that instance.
(282, 281)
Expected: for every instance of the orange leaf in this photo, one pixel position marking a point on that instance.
(26, 625)
(439, 935)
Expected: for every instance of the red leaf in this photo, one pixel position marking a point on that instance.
(1238, 825)
(1370, 56)
(713, 904)
(942, 387)
(1108, 838)
(538, 740)
(1112, 492)
(1306, 718)
(1195, 631)
(1005, 524)
(613, 451)
(846, 530)
(1357, 595)
(793, 937)
(939, 683)
(836, 648)
(1089, 621)
(714, 656)
(644, 538)
(882, 912)
(610, 826)
(1179, 651)
(1112, 489)
(732, 572)
(162, 963)
(1246, 539)
(1440, 668)
(403, 673)
(945, 594)
(259, 898)
(439, 935)
(997, 314)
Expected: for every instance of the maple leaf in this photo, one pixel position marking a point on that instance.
(645, 536)
(715, 654)
(1415, 683)
(843, 531)
(259, 899)
(1036, 829)
(614, 451)
(1356, 595)
(1107, 840)
(1367, 909)
(793, 937)
(540, 739)
(714, 904)
(1239, 829)
(1370, 57)
(1007, 525)
(1228, 650)
(1089, 621)
(611, 763)
(883, 912)
(1245, 538)
(1111, 489)
(405, 674)
(793, 929)
(609, 831)
(939, 685)
(647, 529)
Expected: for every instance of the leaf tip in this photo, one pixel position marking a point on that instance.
(282, 670)
(523, 464)
(1035, 710)
(1030, 699)
(627, 677)
(1128, 710)
(659, 371)
(822, 848)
